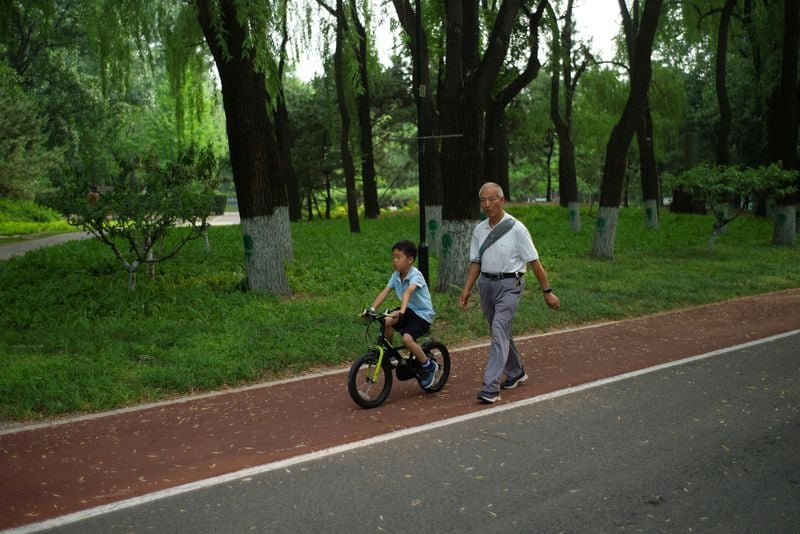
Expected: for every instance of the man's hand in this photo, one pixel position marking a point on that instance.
(464, 298)
(552, 300)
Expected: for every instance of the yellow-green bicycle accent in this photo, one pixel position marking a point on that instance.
(369, 381)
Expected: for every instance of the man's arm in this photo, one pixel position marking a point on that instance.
(549, 297)
(472, 275)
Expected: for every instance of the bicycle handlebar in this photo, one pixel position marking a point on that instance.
(372, 315)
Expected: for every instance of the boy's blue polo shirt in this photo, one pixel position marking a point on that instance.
(420, 301)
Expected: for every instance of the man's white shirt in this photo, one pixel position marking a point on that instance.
(511, 253)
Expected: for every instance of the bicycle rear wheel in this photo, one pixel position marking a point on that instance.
(441, 355)
(368, 384)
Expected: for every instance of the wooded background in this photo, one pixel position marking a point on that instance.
(474, 91)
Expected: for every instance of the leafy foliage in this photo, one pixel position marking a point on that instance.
(24, 157)
(717, 184)
(134, 212)
(26, 217)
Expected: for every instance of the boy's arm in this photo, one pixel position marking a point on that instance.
(381, 297)
(406, 297)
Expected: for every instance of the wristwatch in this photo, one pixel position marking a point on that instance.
(548, 290)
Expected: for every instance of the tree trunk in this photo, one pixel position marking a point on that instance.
(550, 148)
(605, 232)
(344, 135)
(496, 136)
(562, 69)
(454, 255)
(371, 208)
(651, 213)
(433, 217)
(284, 140)
(621, 135)
(722, 153)
(574, 209)
(254, 151)
(283, 131)
(651, 188)
(782, 122)
(495, 123)
(431, 164)
(467, 84)
(264, 253)
(648, 169)
(496, 153)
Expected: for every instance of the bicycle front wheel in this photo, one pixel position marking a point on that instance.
(368, 384)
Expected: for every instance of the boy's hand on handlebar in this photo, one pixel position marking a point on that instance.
(369, 312)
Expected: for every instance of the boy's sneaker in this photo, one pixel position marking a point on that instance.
(511, 383)
(488, 396)
(429, 374)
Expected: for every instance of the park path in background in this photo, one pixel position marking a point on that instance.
(55, 469)
(19, 248)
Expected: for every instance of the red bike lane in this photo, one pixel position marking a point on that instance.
(61, 468)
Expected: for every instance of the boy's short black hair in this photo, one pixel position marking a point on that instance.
(406, 247)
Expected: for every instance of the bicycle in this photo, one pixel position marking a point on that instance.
(369, 381)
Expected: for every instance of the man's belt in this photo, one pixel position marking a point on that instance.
(502, 276)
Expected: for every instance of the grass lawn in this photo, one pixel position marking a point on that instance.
(73, 339)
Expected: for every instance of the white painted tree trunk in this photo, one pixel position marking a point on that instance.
(433, 228)
(651, 213)
(785, 229)
(454, 256)
(605, 233)
(574, 215)
(267, 247)
(206, 242)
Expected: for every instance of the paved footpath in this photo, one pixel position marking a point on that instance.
(51, 470)
(20, 248)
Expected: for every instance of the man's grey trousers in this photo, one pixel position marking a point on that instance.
(499, 300)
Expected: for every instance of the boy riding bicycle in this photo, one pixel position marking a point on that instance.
(415, 315)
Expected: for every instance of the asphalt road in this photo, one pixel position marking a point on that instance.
(707, 446)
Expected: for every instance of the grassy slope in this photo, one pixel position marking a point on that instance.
(73, 339)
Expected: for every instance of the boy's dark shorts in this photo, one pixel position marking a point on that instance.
(413, 324)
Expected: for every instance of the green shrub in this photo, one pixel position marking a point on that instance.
(20, 217)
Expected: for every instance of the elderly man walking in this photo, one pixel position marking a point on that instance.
(500, 249)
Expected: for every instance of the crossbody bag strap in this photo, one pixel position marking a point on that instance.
(497, 232)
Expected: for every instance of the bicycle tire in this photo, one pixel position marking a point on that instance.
(438, 351)
(363, 390)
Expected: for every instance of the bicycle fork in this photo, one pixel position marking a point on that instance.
(377, 370)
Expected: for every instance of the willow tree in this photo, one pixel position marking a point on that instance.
(234, 32)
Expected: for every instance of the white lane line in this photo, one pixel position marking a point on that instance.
(339, 449)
